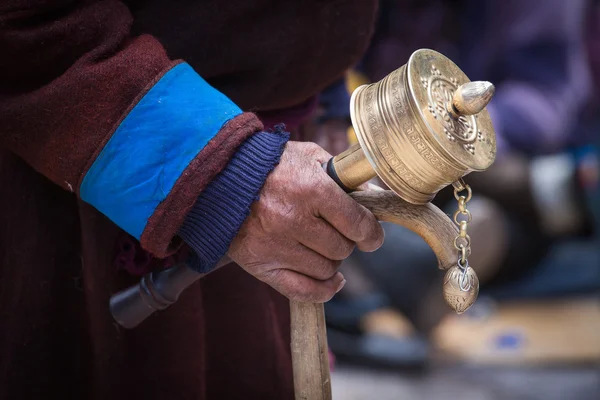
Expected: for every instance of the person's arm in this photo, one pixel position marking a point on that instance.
(112, 118)
(535, 52)
(151, 145)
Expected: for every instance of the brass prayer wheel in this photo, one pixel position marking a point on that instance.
(422, 127)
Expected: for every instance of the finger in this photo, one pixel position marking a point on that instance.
(350, 218)
(305, 261)
(320, 236)
(298, 287)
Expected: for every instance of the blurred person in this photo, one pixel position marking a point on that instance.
(534, 53)
(590, 123)
(516, 322)
(127, 144)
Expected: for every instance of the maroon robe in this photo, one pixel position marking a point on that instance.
(228, 335)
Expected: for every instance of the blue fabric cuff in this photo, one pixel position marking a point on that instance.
(152, 147)
(225, 203)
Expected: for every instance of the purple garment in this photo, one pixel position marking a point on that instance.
(593, 48)
(534, 51)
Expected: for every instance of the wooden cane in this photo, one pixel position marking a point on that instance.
(310, 356)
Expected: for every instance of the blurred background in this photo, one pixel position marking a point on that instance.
(534, 333)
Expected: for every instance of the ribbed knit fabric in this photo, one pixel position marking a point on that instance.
(223, 206)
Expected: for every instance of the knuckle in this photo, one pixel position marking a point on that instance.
(276, 216)
(361, 222)
(342, 249)
(285, 212)
(262, 213)
(265, 223)
(314, 152)
(312, 148)
(325, 269)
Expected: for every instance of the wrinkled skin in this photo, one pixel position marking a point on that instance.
(302, 227)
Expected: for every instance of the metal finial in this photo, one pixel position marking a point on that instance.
(471, 98)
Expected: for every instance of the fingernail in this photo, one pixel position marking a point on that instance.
(341, 285)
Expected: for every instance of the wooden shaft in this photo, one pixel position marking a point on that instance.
(310, 359)
(310, 354)
(426, 220)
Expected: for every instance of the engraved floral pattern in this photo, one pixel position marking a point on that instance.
(440, 91)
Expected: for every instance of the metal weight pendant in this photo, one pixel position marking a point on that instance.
(461, 287)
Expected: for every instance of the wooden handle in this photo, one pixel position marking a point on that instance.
(427, 220)
(350, 169)
(310, 356)
(156, 290)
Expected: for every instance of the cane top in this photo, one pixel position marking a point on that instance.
(453, 109)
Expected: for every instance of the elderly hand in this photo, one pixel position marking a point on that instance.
(301, 228)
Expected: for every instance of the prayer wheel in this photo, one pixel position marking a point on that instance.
(422, 127)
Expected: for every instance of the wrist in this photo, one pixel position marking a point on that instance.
(221, 209)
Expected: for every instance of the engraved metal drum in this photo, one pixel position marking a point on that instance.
(409, 137)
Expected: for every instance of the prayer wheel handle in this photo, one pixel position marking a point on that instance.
(310, 356)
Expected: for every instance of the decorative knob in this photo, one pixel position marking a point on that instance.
(471, 98)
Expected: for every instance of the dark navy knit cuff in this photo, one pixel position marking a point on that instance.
(225, 203)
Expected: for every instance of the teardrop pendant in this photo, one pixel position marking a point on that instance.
(461, 287)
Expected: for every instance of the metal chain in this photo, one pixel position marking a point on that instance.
(462, 218)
